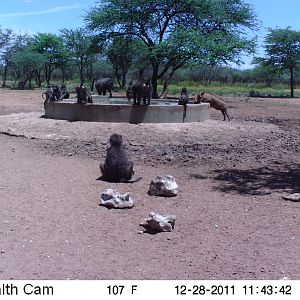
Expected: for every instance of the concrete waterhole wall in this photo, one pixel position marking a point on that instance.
(120, 110)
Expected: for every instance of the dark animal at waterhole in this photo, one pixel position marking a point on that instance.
(140, 89)
(83, 96)
(104, 85)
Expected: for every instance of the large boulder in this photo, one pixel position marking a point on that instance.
(113, 199)
(159, 223)
(165, 186)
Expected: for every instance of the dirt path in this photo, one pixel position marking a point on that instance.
(232, 222)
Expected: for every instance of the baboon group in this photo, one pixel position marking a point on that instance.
(56, 93)
(117, 167)
(139, 89)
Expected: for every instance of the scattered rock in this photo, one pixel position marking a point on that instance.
(292, 197)
(158, 223)
(169, 158)
(163, 186)
(134, 144)
(113, 199)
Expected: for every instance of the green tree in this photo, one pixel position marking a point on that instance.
(53, 48)
(14, 42)
(5, 36)
(79, 44)
(282, 47)
(121, 53)
(178, 31)
(25, 64)
(266, 74)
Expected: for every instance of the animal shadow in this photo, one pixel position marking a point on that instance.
(260, 181)
(102, 178)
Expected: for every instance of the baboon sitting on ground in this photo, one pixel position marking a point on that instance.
(214, 101)
(117, 167)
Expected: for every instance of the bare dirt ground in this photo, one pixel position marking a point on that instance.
(232, 222)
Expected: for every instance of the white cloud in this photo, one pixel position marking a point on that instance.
(40, 12)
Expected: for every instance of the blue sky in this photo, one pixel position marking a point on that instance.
(34, 16)
(47, 16)
(276, 14)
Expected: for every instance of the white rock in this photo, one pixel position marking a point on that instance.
(158, 223)
(292, 197)
(113, 199)
(163, 186)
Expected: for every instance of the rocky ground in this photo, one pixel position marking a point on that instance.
(232, 222)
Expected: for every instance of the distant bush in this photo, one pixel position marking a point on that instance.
(254, 93)
(241, 89)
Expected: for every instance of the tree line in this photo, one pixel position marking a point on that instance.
(162, 40)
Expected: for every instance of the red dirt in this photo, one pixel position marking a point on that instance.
(232, 222)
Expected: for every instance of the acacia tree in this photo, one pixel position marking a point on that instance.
(80, 46)
(282, 47)
(53, 48)
(26, 63)
(121, 53)
(6, 36)
(178, 31)
(14, 43)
